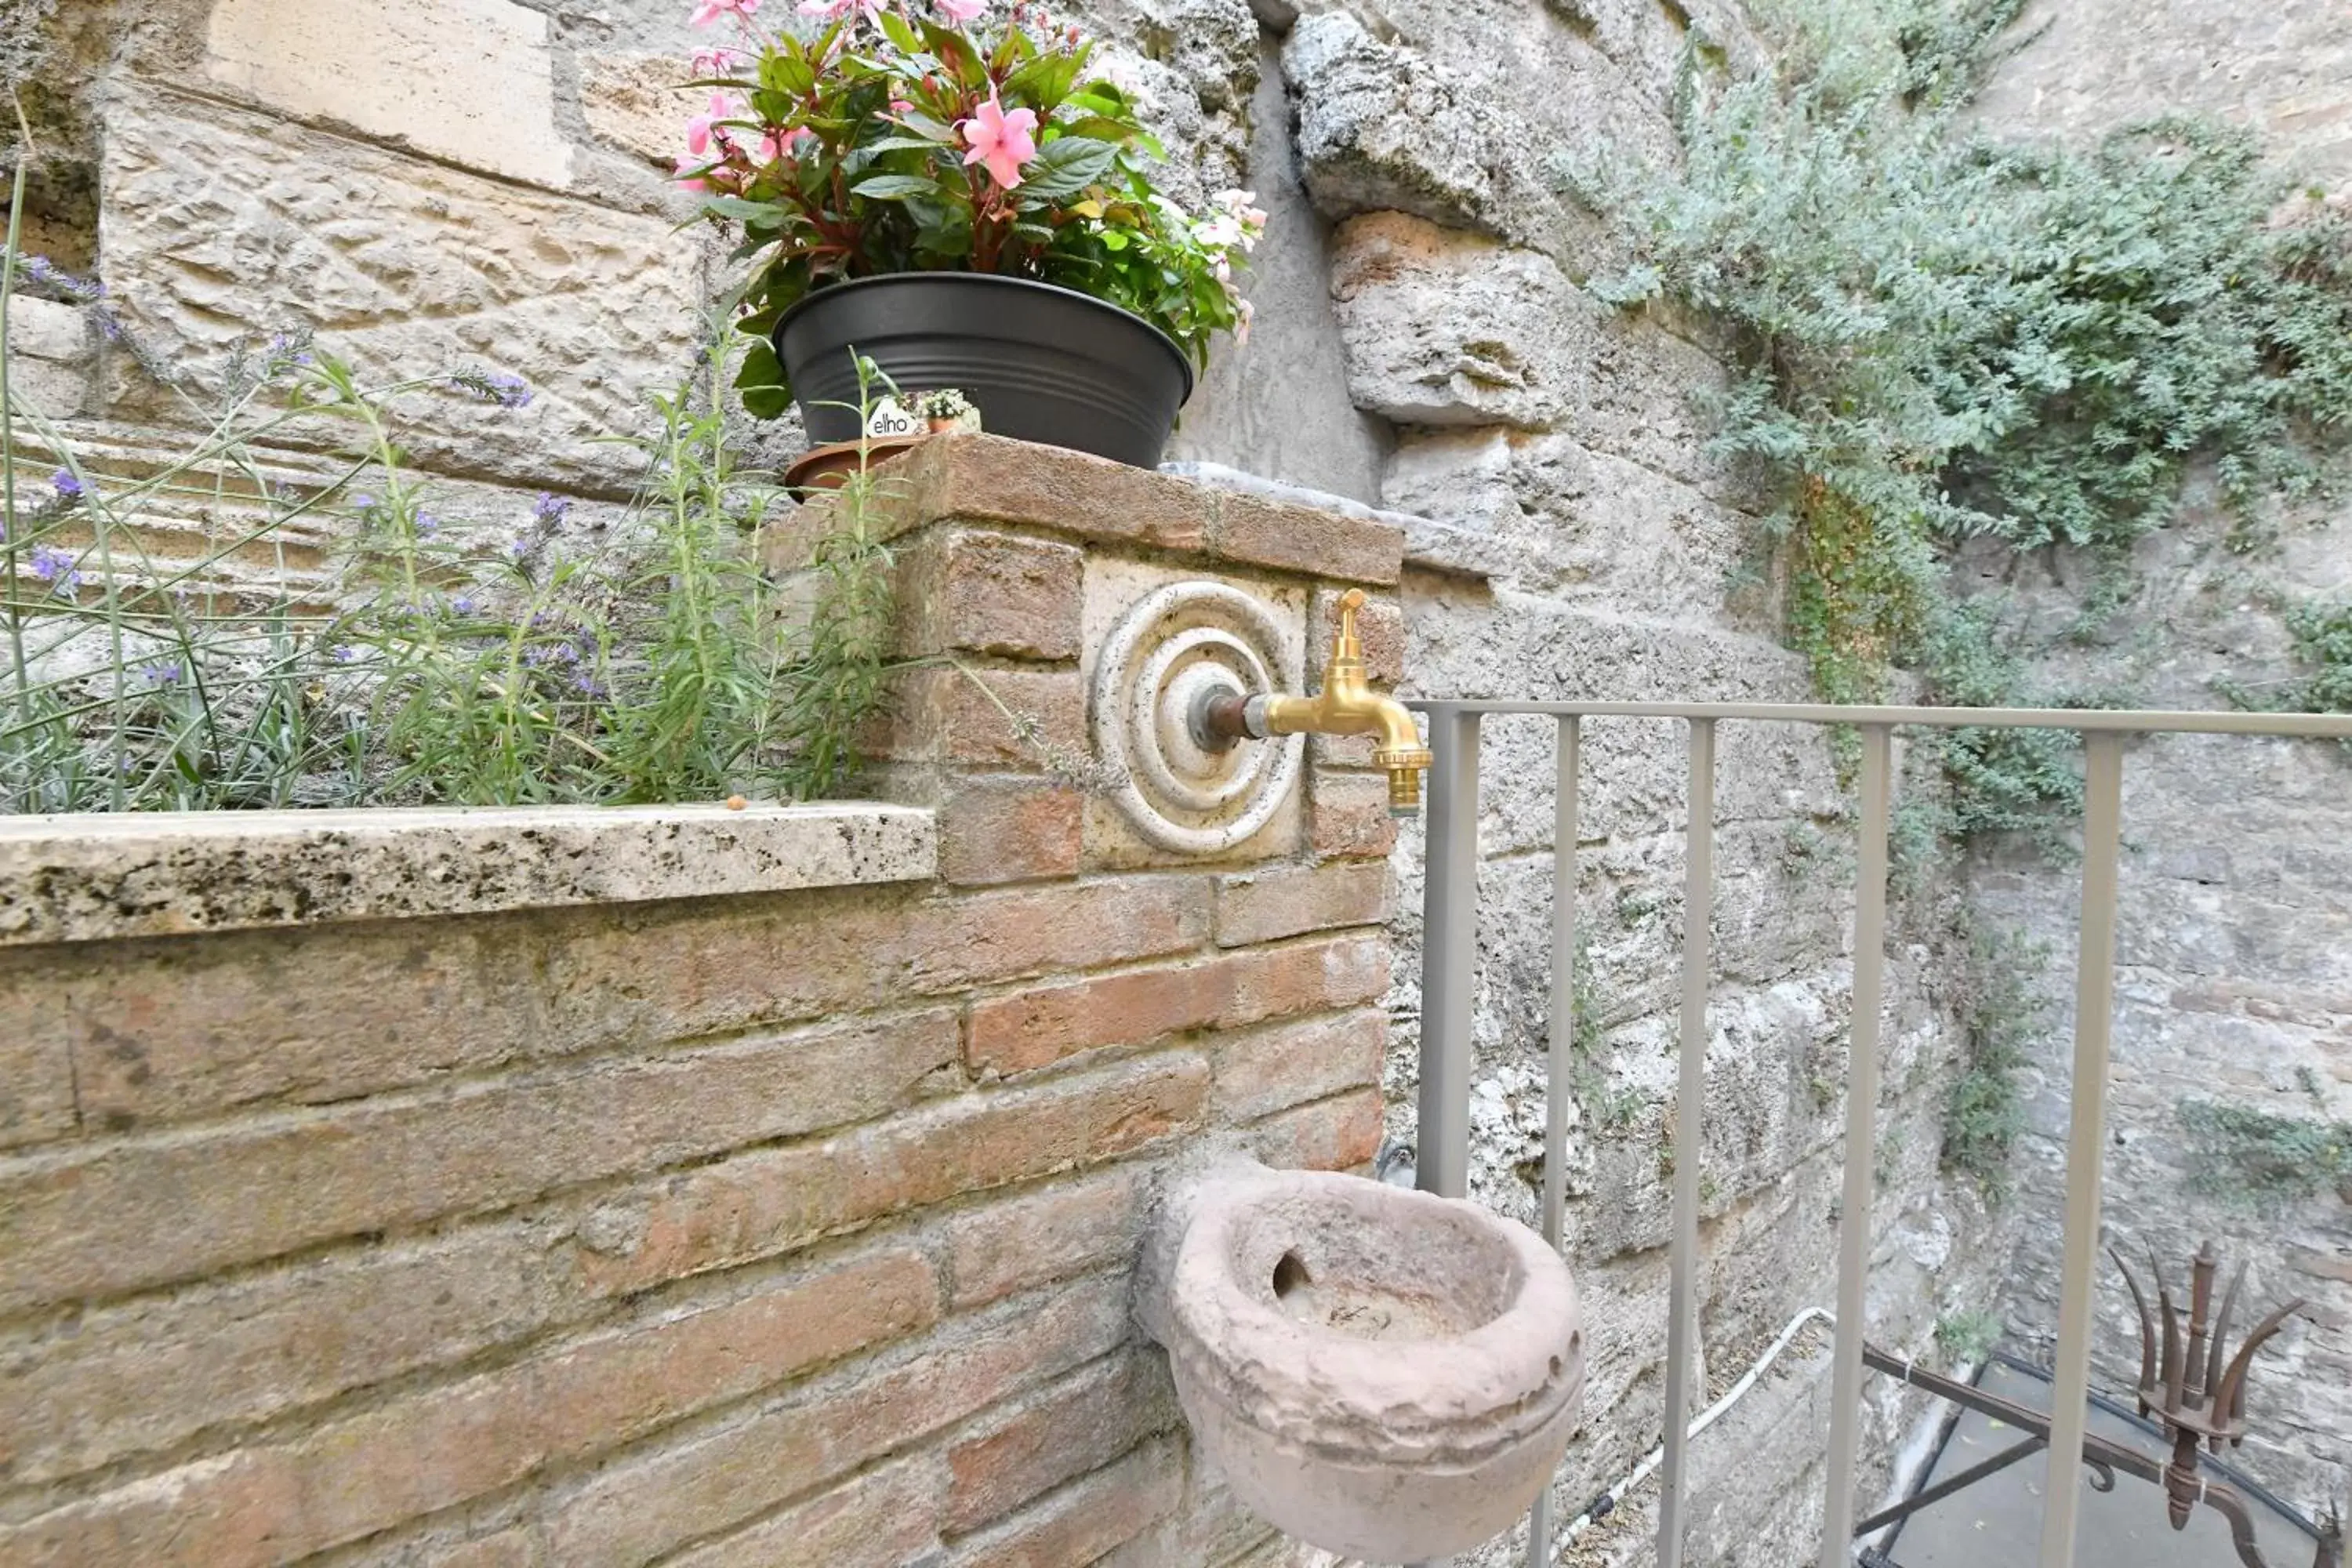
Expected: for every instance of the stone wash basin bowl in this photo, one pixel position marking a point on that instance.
(1382, 1373)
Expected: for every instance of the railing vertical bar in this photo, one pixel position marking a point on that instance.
(1690, 1113)
(1861, 1140)
(1449, 949)
(2094, 998)
(1561, 1071)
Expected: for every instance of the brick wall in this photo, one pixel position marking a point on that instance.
(634, 1228)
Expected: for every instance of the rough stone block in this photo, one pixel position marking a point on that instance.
(1274, 1068)
(268, 1502)
(1063, 1228)
(1043, 1024)
(884, 1519)
(146, 1213)
(1086, 1519)
(47, 330)
(469, 80)
(631, 1511)
(1348, 815)
(770, 1201)
(218, 224)
(1009, 830)
(1091, 1419)
(991, 593)
(1446, 327)
(633, 101)
(1288, 900)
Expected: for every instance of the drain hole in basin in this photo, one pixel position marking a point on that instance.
(1289, 1274)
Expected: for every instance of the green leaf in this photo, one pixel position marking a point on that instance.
(751, 212)
(896, 29)
(760, 380)
(896, 187)
(1065, 167)
(907, 144)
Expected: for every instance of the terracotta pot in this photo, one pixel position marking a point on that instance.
(828, 467)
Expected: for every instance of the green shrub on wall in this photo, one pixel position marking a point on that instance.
(1942, 337)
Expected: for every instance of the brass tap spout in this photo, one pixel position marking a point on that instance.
(1346, 706)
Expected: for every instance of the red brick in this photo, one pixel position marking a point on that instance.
(1306, 539)
(1337, 1134)
(145, 1214)
(1047, 1024)
(992, 594)
(1274, 1068)
(770, 1201)
(1009, 830)
(1348, 816)
(941, 715)
(881, 1520)
(1277, 901)
(1083, 1424)
(146, 1376)
(634, 1511)
(1020, 1243)
(37, 1066)
(436, 1447)
(1086, 1519)
(172, 1028)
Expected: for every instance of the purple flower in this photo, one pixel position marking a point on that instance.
(463, 605)
(363, 504)
(496, 386)
(55, 567)
(66, 485)
(427, 525)
(162, 673)
(344, 655)
(550, 508)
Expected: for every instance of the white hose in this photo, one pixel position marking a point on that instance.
(1706, 1419)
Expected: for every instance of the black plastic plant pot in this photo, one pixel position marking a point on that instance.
(1040, 363)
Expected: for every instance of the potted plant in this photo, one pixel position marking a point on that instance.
(958, 200)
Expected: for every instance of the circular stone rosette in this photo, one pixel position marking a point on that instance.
(1176, 648)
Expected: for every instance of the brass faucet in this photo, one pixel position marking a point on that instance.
(1346, 706)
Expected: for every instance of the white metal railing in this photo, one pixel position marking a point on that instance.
(1449, 938)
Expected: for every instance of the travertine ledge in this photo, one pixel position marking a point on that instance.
(99, 876)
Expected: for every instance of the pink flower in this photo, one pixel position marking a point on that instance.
(698, 128)
(901, 106)
(834, 10)
(768, 150)
(960, 11)
(708, 11)
(689, 171)
(1001, 140)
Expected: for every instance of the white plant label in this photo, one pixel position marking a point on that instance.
(888, 421)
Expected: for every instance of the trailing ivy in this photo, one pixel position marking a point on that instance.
(2004, 1011)
(1941, 337)
(2322, 634)
(2258, 1160)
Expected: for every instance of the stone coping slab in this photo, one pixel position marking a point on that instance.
(994, 480)
(99, 876)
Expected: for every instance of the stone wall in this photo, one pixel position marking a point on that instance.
(2235, 941)
(678, 1185)
(493, 192)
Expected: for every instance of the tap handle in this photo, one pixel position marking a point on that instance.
(1346, 643)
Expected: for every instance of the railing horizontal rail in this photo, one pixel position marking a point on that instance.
(1450, 918)
(2090, 720)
